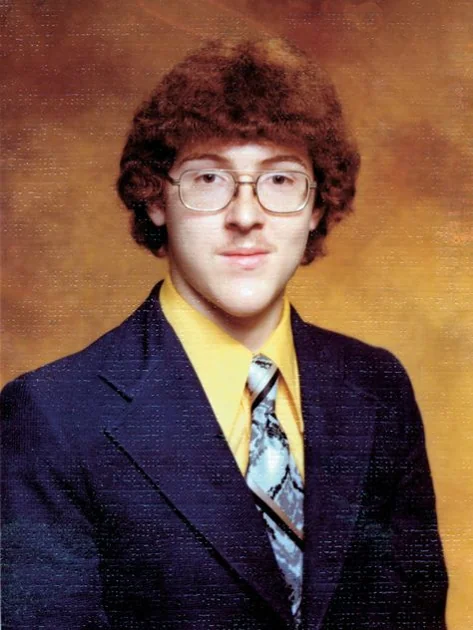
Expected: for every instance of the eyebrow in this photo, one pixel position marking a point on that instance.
(216, 157)
(193, 157)
(284, 158)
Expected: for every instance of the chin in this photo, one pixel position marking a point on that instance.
(244, 304)
(241, 312)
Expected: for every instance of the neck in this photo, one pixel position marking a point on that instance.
(252, 331)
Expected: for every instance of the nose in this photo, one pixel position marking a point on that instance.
(244, 211)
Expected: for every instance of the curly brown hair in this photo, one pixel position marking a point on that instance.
(266, 90)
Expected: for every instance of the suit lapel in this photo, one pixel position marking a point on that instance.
(169, 431)
(338, 431)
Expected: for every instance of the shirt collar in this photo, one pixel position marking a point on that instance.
(280, 349)
(221, 362)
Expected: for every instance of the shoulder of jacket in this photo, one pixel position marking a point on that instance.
(84, 364)
(362, 365)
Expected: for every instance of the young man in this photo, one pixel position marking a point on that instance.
(215, 462)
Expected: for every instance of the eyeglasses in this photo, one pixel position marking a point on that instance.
(211, 190)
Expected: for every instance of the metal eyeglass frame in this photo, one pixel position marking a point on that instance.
(311, 185)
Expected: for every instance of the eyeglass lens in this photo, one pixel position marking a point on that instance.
(210, 190)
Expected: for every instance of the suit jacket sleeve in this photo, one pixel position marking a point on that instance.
(51, 566)
(417, 545)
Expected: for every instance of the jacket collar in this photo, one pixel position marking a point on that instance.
(137, 348)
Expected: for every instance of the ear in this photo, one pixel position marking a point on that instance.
(315, 218)
(157, 214)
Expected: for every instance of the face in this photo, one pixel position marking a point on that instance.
(236, 262)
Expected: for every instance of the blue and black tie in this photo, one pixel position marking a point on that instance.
(273, 477)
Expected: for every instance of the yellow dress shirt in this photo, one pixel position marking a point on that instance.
(222, 365)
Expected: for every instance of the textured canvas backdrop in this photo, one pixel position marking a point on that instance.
(398, 273)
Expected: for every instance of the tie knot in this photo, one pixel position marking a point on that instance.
(262, 380)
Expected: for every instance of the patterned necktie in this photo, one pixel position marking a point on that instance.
(273, 477)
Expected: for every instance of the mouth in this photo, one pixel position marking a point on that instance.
(246, 258)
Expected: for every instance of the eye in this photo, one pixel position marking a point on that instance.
(279, 178)
(208, 178)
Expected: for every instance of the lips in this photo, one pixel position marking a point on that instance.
(246, 258)
(245, 251)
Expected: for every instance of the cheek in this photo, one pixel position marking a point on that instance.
(194, 238)
(292, 245)
(296, 236)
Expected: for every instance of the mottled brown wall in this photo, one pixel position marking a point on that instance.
(398, 272)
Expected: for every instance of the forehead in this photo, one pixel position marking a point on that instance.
(240, 154)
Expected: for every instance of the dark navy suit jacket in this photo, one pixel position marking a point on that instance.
(125, 509)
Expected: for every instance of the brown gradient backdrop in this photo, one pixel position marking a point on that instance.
(398, 273)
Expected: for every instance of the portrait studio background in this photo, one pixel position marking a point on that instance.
(398, 270)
